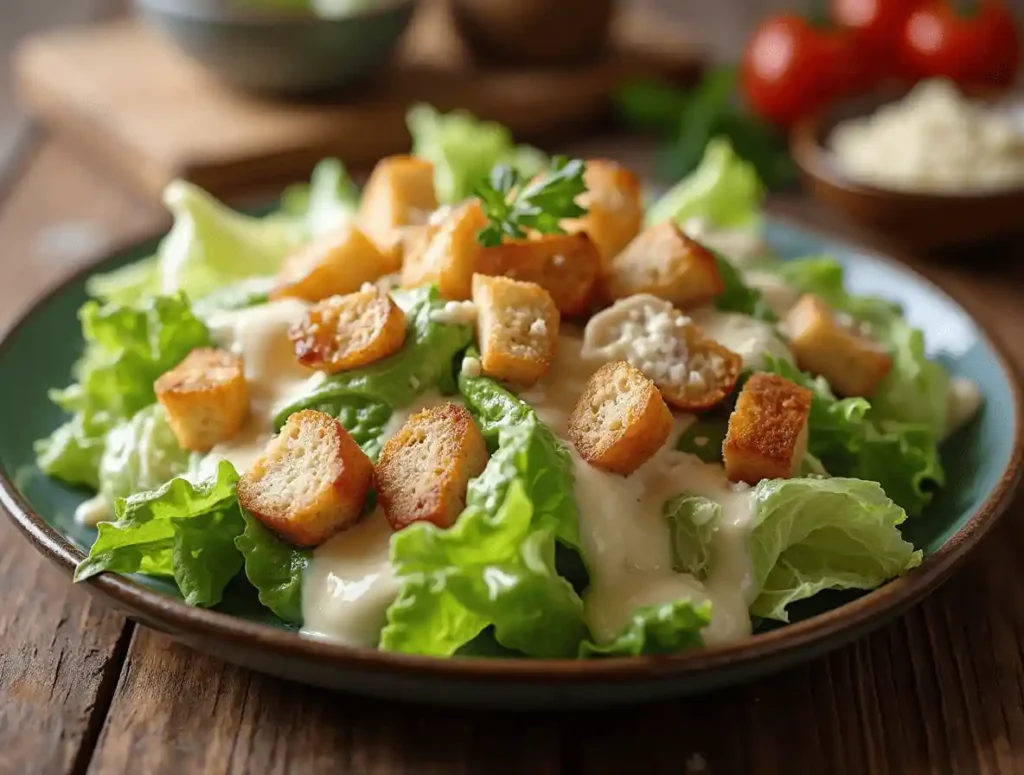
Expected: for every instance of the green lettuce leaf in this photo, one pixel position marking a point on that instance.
(274, 568)
(847, 439)
(126, 348)
(489, 568)
(210, 245)
(807, 535)
(240, 295)
(656, 629)
(464, 149)
(738, 296)
(181, 530)
(704, 437)
(724, 191)
(424, 363)
(326, 202)
(140, 454)
(127, 285)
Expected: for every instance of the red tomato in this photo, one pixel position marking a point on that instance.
(791, 67)
(980, 46)
(878, 28)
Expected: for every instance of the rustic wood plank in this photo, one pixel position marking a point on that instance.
(179, 711)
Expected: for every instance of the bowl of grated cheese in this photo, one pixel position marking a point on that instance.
(930, 168)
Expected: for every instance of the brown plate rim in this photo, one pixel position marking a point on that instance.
(849, 618)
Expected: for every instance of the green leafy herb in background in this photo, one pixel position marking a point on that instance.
(541, 204)
(689, 119)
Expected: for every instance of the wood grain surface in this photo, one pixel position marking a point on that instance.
(941, 690)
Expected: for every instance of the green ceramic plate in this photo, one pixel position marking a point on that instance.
(983, 461)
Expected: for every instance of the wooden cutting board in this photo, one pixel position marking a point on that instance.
(132, 100)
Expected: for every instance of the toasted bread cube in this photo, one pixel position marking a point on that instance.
(666, 263)
(206, 398)
(692, 371)
(615, 210)
(424, 469)
(310, 482)
(346, 332)
(399, 193)
(516, 329)
(450, 254)
(620, 420)
(565, 265)
(767, 436)
(853, 364)
(331, 265)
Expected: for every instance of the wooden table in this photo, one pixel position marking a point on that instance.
(84, 690)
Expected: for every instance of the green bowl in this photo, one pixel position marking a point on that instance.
(983, 463)
(285, 53)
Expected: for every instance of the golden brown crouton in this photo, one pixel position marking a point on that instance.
(692, 371)
(399, 193)
(450, 254)
(336, 263)
(664, 262)
(614, 205)
(565, 265)
(767, 435)
(424, 469)
(620, 421)
(205, 397)
(346, 332)
(516, 329)
(853, 364)
(310, 482)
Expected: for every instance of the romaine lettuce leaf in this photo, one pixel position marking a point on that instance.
(738, 296)
(127, 348)
(210, 245)
(140, 454)
(656, 629)
(845, 437)
(724, 191)
(274, 568)
(326, 202)
(127, 285)
(704, 437)
(464, 149)
(489, 568)
(807, 535)
(424, 363)
(182, 530)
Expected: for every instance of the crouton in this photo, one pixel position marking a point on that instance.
(565, 265)
(346, 332)
(666, 263)
(399, 193)
(310, 482)
(424, 469)
(449, 256)
(517, 329)
(614, 205)
(767, 436)
(620, 420)
(692, 371)
(206, 398)
(331, 265)
(853, 364)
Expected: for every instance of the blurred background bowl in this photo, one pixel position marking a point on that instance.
(923, 221)
(278, 51)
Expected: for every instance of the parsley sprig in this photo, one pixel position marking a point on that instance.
(512, 207)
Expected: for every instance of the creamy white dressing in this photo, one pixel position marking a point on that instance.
(741, 246)
(93, 511)
(349, 584)
(625, 537)
(964, 402)
(748, 337)
(779, 295)
(273, 375)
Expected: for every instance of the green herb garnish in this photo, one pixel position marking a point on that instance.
(541, 204)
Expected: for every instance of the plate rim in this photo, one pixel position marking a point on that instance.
(850, 619)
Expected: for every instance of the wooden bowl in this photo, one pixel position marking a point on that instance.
(281, 52)
(923, 221)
